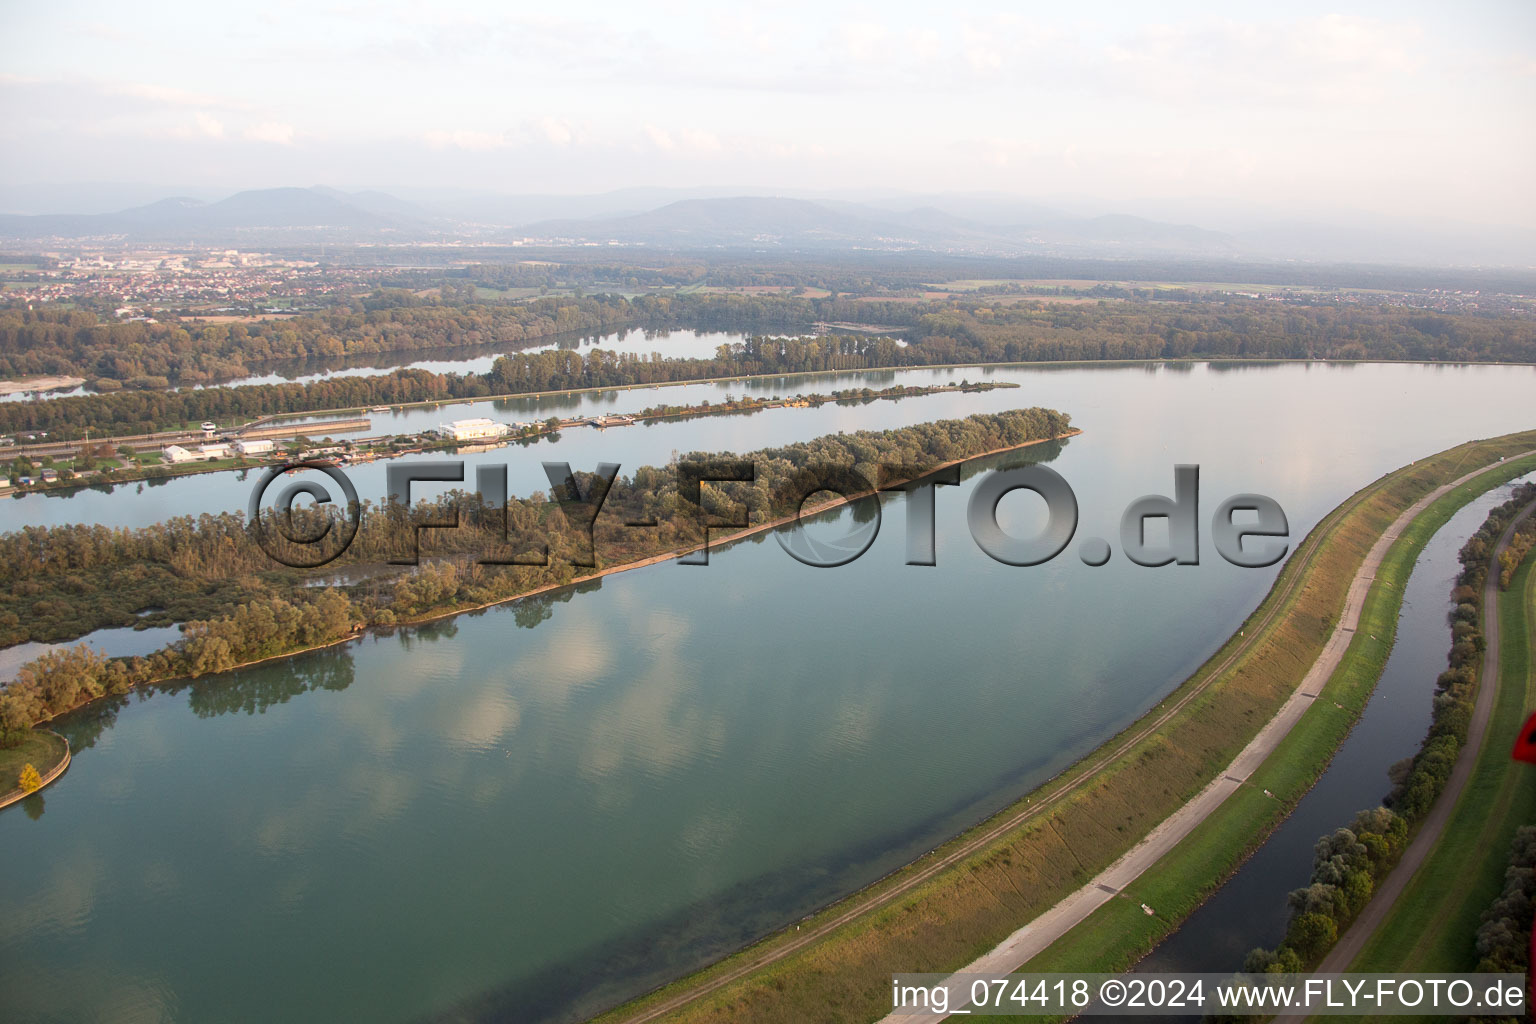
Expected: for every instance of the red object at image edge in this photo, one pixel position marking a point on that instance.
(1525, 750)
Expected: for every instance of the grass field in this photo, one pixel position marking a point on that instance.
(1079, 823)
(1432, 927)
(42, 750)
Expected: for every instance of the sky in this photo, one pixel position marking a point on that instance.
(1374, 110)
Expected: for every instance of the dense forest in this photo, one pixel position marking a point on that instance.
(934, 333)
(143, 354)
(60, 582)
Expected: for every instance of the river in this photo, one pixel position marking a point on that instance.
(537, 810)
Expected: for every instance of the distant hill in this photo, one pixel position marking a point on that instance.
(755, 222)
(659, 218)
(732, 222)
(292, 212)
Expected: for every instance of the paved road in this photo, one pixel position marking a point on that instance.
(1036, 936)
(1353, 941)
(56, 449)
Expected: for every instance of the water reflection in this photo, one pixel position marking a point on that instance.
(560, 802)
(253, 692)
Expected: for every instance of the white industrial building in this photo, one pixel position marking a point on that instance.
(245, 449)
(174, 453)
(214, 451)
(474, 430)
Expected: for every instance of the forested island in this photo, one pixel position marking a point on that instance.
(239, 605)
(133, 364)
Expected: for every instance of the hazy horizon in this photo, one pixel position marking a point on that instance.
(1400, 113)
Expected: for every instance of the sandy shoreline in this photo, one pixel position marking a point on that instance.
(16, 387)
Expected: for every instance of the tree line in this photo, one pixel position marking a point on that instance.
(967, 332)
(1349, 863)
(61, 582)
(1504, 936)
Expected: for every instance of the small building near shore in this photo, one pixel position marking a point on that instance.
(474, 430)
(245, 449)
(174, 453)
(210, 452)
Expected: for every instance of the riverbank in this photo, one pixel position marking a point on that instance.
(722, 542)
(361, 628)
(1425, 915)
(54, 383)
(1179, 883)
(1176, 363)
(162, 471)
(954, 904)
(44, 750)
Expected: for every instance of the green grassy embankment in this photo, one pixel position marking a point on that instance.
(1120, 932)
(41, 749)
(1432, 928)
(956, 903)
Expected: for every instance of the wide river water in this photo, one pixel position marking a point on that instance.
(534, 811)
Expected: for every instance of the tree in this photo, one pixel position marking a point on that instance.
(1311, 935)
(29, 780)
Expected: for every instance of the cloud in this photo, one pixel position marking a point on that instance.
(271, 131)
(660, 138)
(700, 141)
(167, 95)
(475, 142)
(556, 131)
(694, 141)
(202, 126)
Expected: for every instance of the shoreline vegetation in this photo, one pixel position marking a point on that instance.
(374, 447)
(1352, 862)
(45, 752)
(957, 902)
(1435, 923)
(133, 395)
(1119, 934)
(265, 622)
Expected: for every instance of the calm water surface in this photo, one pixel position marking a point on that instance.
(667, 343)
(540, 809)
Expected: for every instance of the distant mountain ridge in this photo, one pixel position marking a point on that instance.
(981, 224)
(752, 221)
(312, 210)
